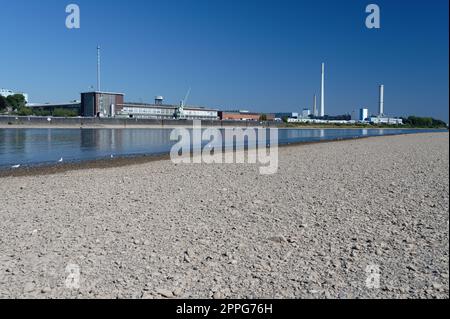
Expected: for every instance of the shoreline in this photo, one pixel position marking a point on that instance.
(122, 161)
(21, 122)
(170, 126)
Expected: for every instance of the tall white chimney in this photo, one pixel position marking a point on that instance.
(322, 92)
(315, 105)
(381, 110)
(98, 68)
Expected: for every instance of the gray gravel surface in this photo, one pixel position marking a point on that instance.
(160, 230)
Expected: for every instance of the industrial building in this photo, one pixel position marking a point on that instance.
(243, 115)
(385, 120)
(306, 113)
(160, 111)
(382, 118)
(286, 115)
(6, 93)
(363, 114)
(107, 104)
(101, 104)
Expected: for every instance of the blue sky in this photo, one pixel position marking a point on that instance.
(243, 54)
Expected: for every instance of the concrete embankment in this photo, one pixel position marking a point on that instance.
(78, 122)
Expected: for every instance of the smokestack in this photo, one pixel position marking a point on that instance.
(98, 68)
(322, 92)
(381, 110)
(315, 105)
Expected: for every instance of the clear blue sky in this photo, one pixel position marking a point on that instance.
(243, 54)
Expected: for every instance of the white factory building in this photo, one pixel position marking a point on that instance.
(6, 93)
(382, 118)
(363, 114)
(149, 111)
(158, 110)
(385, 120)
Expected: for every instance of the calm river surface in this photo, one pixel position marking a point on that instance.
(29, 147)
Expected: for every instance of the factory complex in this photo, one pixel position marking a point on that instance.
(113, 105)
(102, 104)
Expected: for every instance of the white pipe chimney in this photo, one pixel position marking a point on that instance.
(98, 68)
(381, 109)
(322, 92)
(315, 105)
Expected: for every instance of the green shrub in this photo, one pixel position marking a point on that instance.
(25, 111)
(64, 113)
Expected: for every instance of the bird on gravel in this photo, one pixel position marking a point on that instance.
(61, 160)
(15, 166)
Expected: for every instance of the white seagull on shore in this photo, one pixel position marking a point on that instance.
(61, 160)
(112, 156)
(15, 166)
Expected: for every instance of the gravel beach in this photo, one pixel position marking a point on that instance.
(334, 221)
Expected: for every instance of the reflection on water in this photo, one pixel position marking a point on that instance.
(41, 146)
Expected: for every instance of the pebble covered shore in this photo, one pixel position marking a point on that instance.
(333, 213)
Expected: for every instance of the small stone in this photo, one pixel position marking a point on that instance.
(29, 287)
(46, 290)
(147, 295)
(278, 239)
(411, 267)
(437, 286)
(177, 291)
(217, 295)
(165, 293)
(189, 252)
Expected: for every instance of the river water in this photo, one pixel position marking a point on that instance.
(30, 147)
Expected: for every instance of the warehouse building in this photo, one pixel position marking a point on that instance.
(101, 104)
(286, 115)
(243, 116)
(108, 104)
(385, 120)
(162, 111)
(168, 112)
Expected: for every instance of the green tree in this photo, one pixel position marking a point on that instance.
(263, 118)
(3, 103)
(16, 101)
(424, 122)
